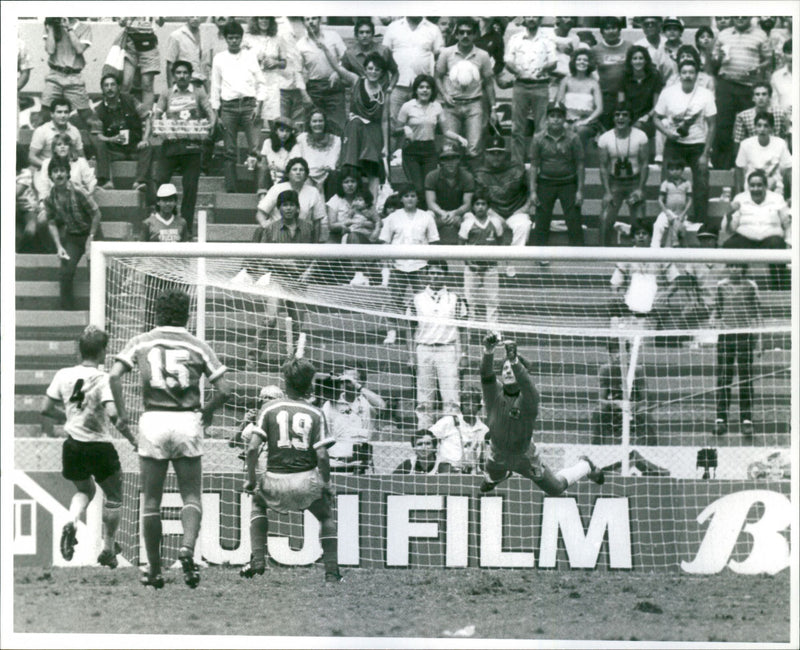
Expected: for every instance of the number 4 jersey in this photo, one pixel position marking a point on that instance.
(171, 362)
(294, 430)
(84, 391)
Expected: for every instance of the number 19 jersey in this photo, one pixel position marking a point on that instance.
(294, 430)
(171, 362)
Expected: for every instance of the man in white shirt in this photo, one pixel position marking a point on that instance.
(781, 80)
(686, 114)
(766, 152)
(42, 137)
(462, 438)
(530, 56)
(323, 85)
(415, 43)
(653, 41)
(238, 90)
(758, 218)
(437, 344)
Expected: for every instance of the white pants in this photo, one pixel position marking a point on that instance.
(436, 363)
(520, 226)
(482, 288)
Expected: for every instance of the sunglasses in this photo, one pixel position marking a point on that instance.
(464, 32)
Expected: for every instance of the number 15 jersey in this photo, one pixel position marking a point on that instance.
(171, 362)
(294, 430)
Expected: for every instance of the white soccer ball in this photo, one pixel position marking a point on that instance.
(464, 73)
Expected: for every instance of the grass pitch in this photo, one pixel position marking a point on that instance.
(501, 604)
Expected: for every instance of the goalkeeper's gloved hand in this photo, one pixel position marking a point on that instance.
(490, 340)
(511, 350)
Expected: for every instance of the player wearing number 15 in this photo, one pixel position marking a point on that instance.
(298, 467)
(171, 363)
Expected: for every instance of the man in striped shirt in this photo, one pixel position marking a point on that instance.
(512, 404)
(171, 362)
(745, 124)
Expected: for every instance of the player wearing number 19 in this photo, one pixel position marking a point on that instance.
(171, 363)
(298, 468)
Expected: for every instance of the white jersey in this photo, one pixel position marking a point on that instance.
(84, 391)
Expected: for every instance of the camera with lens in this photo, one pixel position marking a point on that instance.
(683, 129)
(622, 169)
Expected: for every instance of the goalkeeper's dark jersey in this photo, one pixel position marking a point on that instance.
(294, 430)
(510, 418)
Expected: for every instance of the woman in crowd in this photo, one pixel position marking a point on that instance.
(704, 42)
(340, 205)
(581, 95)
(275, 153)
(641, 85)
(262, 38)
(81, 173)
(321, 150)
(419, 118)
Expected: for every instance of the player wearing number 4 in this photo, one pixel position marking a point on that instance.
(298, 468)
(512, 405)
(81, 397)
(171, 362)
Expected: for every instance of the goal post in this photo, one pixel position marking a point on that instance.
(654, 430)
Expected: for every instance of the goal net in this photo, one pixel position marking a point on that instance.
(671, 369)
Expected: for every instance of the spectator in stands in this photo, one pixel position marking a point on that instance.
(349, 417)
(275, 153)
(73, 219)
(31, 224)
(294, 98)
(675, 201)
(766, 152)
(567, 42)
(481, 278)
(218, 42)
(447, 25)
(636, 282)
(425, 459)
(758, 218)
(183, 105)
(777, 35)
(531, 57)
(408, 225)
(164, 224)
(414, 42)
(704, 40)
(745, 125)
(462, 438)
(321, 149)
(238, 91)
(686, 115)
(609, 55)
(340, 205)
(653, 42)
(641, 86)
(465, 81)
(312, 205)
(324, 85)
(673, 39)
(781, 80)
(140, 45)
(742, 54)
(448, 190)
(557, 173)
(506, 182)
(689, 53)
(355, 55)
(419, 118)
(42, 137)
(121, 132)
(262, 38)
(184, 45)
(491, 41)
(81, 173)
(624, 153)
(722, 23)
(737, 306)
(24, 65)
(582, 98)
(437, 344)
(65, 41)
(607, 418)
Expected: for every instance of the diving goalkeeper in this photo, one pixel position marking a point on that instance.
(512, 404)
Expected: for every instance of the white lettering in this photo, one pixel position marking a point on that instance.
(24, 527)
(770, 551)
(399, 528)
(457, 532)
(280, 551)
(583, 549)
(492, 553)
(347, 516)
(209, 538)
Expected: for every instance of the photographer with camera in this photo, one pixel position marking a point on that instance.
(686, 114)
(624, 152)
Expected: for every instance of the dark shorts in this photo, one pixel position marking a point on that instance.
(527, 464)
(82, 460)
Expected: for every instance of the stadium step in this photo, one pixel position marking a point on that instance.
(31, 355)
(47, 325)
(42, 266)
(44, 295)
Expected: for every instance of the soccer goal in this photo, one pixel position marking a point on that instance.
(669, 368)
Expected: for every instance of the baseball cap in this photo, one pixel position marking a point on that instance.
(672, 21)
(496, 143)
(166, 190)
(450, 151)
(556, 107)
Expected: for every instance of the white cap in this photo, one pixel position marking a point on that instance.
(166, 190)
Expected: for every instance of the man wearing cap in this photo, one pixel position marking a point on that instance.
(465, 80)
(609, 54)
(507, 186)
(530, 56)
(448, 193)
(164, 225)
(183, 103)
(673, 32)
(557, 172)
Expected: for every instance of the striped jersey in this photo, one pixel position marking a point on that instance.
(510, 418)
(83, 391)
(293, 430)
(171, 362)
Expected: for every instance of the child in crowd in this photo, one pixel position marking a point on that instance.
(675, 201)
(637, 282)
(275, 153)
(361, 226)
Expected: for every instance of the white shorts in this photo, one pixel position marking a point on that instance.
(170, 434)
(290, 492)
